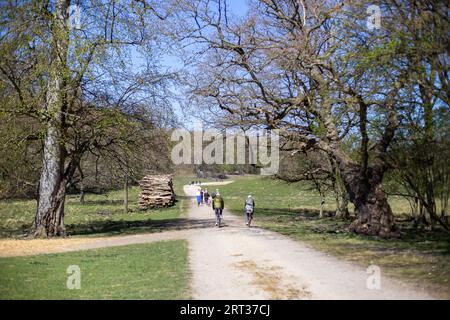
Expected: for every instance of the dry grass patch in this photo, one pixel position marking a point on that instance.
(268, 280)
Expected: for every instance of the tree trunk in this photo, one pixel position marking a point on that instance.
(340, 193)
(362, 181)
(414, 203)
(125, 198)
(422, 216)
(374, 215)
(82, 192)
(81, 183)
(444, 205)
(322, 204)
(49, 219)
(342, 206)
(427, 219)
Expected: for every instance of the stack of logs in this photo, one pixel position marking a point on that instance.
(156, 191)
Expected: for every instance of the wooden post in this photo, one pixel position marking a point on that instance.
(125, 198)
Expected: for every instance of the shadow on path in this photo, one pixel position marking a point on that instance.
(134, 227)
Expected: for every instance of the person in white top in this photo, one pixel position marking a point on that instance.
(198, 195)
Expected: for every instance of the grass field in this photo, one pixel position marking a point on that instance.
(291, 209)
(146, 271)
(102, 214)
(274, 193)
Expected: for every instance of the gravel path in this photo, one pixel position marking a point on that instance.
(236, 262)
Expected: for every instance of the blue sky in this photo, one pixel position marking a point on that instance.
(234, 7)
(171, 62)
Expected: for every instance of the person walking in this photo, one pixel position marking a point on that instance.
(198, 195)
(249, 208)
(218, 205)
(206, 197)
(210, 201)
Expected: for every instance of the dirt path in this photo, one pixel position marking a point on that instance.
(15, 248)
(236, 262)
(216, 183)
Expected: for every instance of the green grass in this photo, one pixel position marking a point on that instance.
(291, 209)
(421, 257)
(274, 193)
(146, 271)
(102, 214)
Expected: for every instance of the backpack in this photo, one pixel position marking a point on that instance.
(217, 201)
(249, 205)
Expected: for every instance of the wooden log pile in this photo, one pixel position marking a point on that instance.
(156, 191)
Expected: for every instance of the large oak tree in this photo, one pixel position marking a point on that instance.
(315, 70)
